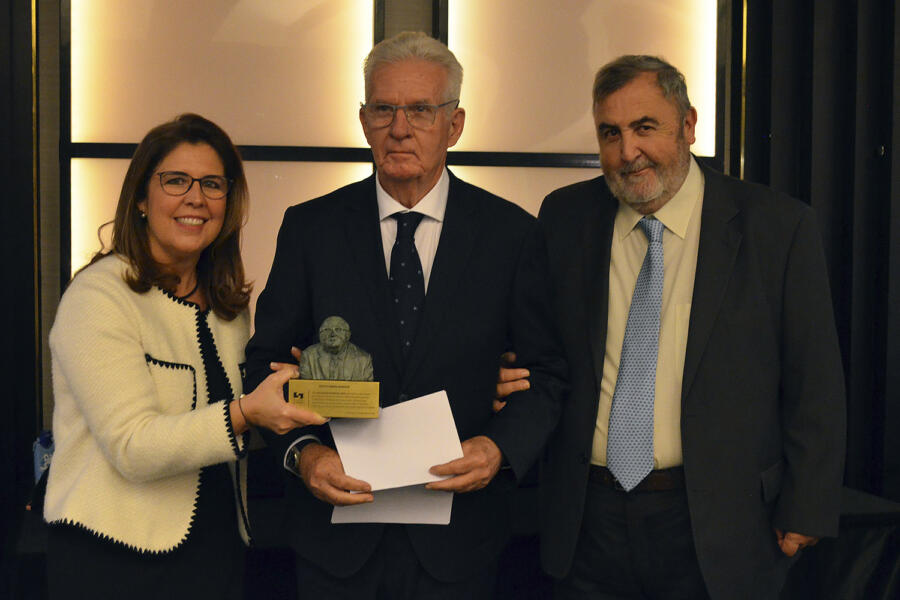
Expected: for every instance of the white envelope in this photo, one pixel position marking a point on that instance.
(413, 504)
(397, 449)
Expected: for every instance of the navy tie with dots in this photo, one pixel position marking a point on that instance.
(407, 282)
(629, 445)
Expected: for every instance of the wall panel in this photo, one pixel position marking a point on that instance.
(269, 72)
(525, 186)
(273, 186)
(529, 66)
(275, 73)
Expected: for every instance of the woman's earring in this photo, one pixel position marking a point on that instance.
(143, 215)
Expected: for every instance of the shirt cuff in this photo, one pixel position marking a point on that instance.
(299, 443)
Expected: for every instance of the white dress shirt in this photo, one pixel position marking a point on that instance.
(433, 205)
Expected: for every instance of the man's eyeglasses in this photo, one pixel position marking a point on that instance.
(420, 116)
(176, 183)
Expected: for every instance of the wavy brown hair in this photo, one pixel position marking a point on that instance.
(220, 271)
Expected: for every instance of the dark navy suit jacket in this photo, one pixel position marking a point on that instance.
(488, 292)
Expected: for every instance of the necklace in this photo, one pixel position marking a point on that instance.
(190, 293)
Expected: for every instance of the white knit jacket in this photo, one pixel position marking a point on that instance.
(132, 421)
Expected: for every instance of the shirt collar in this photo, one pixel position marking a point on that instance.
(674, 214)
(433, 205)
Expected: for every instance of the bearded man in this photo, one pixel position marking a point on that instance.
(702, 444)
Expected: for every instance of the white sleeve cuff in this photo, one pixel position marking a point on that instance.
(284, 460)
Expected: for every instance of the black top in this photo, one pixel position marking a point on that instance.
(216, 501)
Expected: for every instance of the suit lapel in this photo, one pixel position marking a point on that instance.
(453, 254)
(363, 234)
(720, 239)
(597, 235)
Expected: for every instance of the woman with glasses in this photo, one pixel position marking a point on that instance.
(146, 493)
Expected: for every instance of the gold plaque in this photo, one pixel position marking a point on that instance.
(352, 399)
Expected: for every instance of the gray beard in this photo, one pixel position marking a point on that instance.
(668, 180)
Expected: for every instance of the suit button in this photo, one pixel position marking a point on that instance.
(403, 398)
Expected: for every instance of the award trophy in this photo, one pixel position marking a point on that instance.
(336, 375)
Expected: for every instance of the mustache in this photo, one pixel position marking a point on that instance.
(638, 164)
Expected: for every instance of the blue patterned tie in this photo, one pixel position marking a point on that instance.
(407, 282)
(629, 446)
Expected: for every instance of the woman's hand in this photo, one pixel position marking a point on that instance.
(265, 406)
(509, 380)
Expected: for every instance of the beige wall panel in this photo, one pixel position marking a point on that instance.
(270, 72)
(526, 186)
(96, 184)
(529, 66)
(274, 187)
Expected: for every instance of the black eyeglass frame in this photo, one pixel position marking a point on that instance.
(228, 182)
(395, 107)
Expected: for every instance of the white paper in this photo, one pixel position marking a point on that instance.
(397, 449)
(412, 504)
